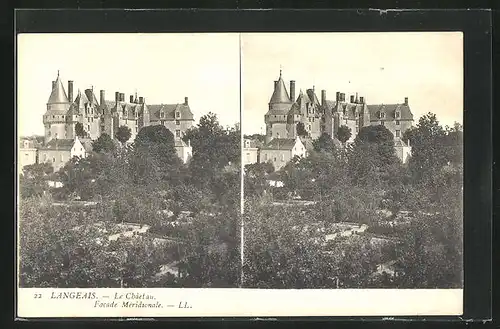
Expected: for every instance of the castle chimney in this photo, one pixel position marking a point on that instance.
(131, 98)
(406, 101)
(122, 97)
(362, 100)
(352, 99)
(53, 85)
(141, 100)
(323, 97)
(342, 97)
(186, 101)
(117, 96)
(292, 90)
(337, 96)
(102, 98)
(70, 91)
(356, 100)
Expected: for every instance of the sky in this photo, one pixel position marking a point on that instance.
(163, 68)
(426, 67)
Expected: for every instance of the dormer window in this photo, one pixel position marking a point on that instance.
(162, 114)
(177, 114)
(398, 114)
(382, 115)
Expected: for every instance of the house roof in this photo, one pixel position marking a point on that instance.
(59, 144)
(280, 144)
(312, 96)
(58, 94)
(169, 110)
(280, 94)
(81, 99)
(390, 110)
(91, 96)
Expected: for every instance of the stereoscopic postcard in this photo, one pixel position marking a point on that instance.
(240, 174)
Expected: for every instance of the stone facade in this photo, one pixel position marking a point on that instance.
(281, 150)
(326, 116)
(105, 116)
(285, 112)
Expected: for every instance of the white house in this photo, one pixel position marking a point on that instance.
(59, 151)
(279, 151)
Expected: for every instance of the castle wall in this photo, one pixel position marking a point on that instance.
(392, 126)
(279, 130)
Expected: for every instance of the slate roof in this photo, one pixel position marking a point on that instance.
(312, 96)
(91, 97)
(280, 144)
(390, 110)
(169, 112)
(59, 144)
(280, 94)
(81, 99)
(58, 94)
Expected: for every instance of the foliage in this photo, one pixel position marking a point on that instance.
(103, 144)
(301, 130)
(214, 147)
(33, 180)
(343, 134)
(324, 143)
(79, 130)
(123, 134)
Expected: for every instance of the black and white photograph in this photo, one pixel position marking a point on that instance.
(353, 169)
(290, 173)
(128, 160)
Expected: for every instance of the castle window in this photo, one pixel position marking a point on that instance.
(398, 114)
(162, 114)
(62, 158)
(274, 159)
(53, 117)
(53, 160)
(397, 122)
(177, 133)
(398, 133)
(282, 158)
(382, 123)
(56, 136)
(177, 114)
(177, 122)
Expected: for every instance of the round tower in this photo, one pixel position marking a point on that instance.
(54, 118)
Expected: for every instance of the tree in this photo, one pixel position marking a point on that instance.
(79, 130)
(427, 140)
(373, 159)
(103, 144)
(324, 143)
(33, 180)
(154, 157)
(301, 130)
(123, 134)
(214, 147)
(343, 134)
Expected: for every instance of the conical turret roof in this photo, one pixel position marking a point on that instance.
(280, 94)
(58, 94)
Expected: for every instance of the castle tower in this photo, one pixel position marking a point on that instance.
(54, 118)
(279, 106)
